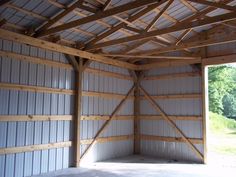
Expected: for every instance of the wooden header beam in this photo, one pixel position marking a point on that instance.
(4, 34)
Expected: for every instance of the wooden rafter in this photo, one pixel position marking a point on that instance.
(171, 123)
(122, 25)
(178, 27)
(97, 16)
(215, 4)
(59, 16)
(104, 126)
(158, 16)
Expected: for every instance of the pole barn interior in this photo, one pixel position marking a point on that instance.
(90, 80)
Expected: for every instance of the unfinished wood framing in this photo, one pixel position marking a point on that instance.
(101, 130)
(74, 66)
(172, 124)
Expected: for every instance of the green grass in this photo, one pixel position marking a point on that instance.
(222, 135)
(219, 123)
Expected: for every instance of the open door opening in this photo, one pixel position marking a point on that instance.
(220, 81)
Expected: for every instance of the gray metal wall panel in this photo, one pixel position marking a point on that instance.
(105, 106)
(15, 102)
(184, 107)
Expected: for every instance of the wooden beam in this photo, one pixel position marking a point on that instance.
(106, 5)
(137, 144)
(108, 74)
(27, 12)
(4, 34)
(36, 147)
(97, 16)
(205, 110)
(105, 117)
(168, 64)
(36, 60)
(158, 16)
(132, 18)
(190, 45)
(71, 59)
(217, 60)
(171, 123)
(55, 19)
(172, 76)
(220, 5)
(188, 5)
(38, 89)
(178, 27)
(108, 139)
(104, 126)
(152, 56)
(78, 110)
(175, 96)
(157, 117)
(20, 118)
(170, 139)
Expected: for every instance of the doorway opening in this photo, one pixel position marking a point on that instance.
(221, 114)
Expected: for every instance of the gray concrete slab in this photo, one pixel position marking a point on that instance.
(140, 166)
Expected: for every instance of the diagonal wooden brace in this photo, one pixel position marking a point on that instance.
(104, 126)
(171, 122)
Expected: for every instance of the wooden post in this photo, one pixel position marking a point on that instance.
(79, 75)
(203, 52)
(136, 117)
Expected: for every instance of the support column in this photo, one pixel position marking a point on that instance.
(136, 117)
(204, 78)
(79, 81)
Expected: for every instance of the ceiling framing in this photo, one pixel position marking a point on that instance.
(130, 33)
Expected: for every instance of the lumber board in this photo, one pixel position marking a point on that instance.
(171, 76)
(107, 139)
(170, 139)
(35, 60)
(172, 117)
(175, 96)
(106, 117)
(17, 118)
(37, 147)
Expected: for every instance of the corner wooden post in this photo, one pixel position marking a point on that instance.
(204, 74)
(136, 117)
(79, 80)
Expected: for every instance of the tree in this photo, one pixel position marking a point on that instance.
(221, 83)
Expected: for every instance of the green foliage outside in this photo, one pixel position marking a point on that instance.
(222, 90)
(222, 106)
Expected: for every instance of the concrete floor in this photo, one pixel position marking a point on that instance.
(140, 166)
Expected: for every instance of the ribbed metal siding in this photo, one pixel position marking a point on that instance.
(185, 107)
(24, 103)
(104, 106)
